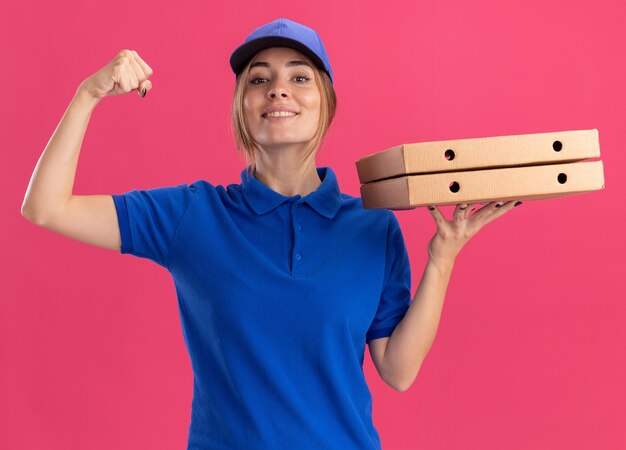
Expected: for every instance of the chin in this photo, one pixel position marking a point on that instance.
(282, 140)
(280, 144)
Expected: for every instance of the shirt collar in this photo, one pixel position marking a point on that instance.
(326, 199)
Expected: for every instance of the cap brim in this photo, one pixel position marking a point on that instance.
(245, 52)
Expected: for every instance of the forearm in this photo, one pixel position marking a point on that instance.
(414, 335)
(52, 181)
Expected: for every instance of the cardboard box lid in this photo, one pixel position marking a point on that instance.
(480, 153)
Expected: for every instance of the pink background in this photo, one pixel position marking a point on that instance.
(530, 351)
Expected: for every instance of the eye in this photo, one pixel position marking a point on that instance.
(304, 79)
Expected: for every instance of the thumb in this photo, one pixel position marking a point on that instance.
(144, 87)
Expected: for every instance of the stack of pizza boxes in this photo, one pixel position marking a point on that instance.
(480, 170)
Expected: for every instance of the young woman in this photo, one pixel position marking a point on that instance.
(281, 279)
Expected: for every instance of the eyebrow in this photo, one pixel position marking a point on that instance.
(289, 64)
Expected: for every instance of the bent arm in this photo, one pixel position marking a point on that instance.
(49, 201)
(51, 184)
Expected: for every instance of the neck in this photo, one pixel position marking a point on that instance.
(287, 176)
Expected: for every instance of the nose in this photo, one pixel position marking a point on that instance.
(277, 89)
(274, 92)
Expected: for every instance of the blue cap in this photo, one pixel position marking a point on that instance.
(282, 33)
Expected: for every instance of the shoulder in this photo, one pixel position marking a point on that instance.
(381, 219)
(206, 187)
(355, 204)
(219, 195)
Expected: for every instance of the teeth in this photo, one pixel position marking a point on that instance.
(280, 114)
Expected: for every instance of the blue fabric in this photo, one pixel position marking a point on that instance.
(282, 32)
(277, 298)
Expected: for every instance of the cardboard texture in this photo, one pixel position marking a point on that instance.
(519, 167)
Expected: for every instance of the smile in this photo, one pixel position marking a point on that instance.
(279, 115)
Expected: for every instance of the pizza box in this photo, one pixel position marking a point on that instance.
(520, 167)
(479, 153)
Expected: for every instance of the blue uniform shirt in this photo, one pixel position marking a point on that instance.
(277, 298)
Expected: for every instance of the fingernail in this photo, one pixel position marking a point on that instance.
(517, 203)
(463, 207)
(144, 92)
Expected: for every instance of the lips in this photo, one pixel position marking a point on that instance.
(278, 108)
(279, 115)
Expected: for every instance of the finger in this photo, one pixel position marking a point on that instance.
(123, 80)
(147, 70)
(128, 80)
(494, 207)
(132, 76)
(143, 71)
(139, 74)
(485, 210)
(460, 212)
(137, 68)
(485, 207)
(437, 214)
(505, 206)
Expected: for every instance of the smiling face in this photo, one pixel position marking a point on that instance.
(282, 78)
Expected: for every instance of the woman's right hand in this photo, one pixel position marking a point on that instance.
(125, 73)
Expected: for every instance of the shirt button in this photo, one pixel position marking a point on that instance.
(298, 256)
(299, 227)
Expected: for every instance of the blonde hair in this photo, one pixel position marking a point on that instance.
(246, 143)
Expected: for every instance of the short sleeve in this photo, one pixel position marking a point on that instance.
(148, 219)
(395, 298)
